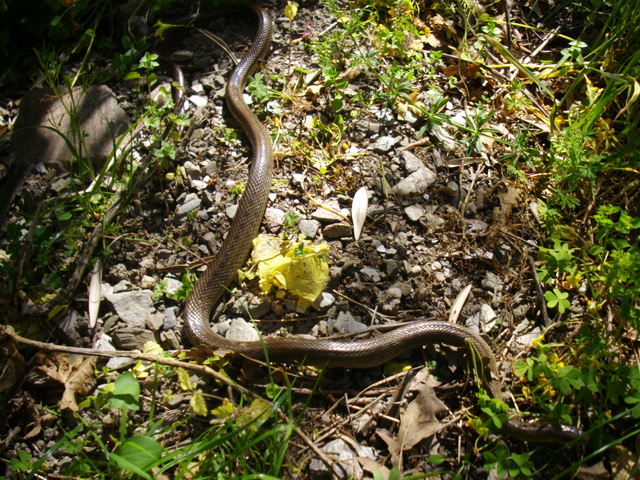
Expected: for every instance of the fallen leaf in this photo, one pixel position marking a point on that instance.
(462, 70)
(74, 374)
(359, 211)
(419, 421)
(394, 447)
(95, 292)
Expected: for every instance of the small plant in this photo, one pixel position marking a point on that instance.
(182, 293)
(508, 464)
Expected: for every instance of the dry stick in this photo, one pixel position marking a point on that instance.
(8, 331)
(536, 281)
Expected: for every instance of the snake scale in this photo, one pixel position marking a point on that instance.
(235, 249)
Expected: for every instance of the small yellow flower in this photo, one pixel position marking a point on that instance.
(538, 340)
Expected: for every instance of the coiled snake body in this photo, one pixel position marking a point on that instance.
(235, 249)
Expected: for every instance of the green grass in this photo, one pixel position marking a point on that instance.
(120, 432)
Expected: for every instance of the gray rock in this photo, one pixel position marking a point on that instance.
(368, 126)
(191, 170)
(60, 184)
(169, 340)
(402, 239)
(211, 168)
(155, 321)
(483, 321)
(476, 225)
(309, 228)
(241, 330)
(416, 183)
(133, 307)
(256, 306)
(171, 285)
(170, 320)
(337, 230)
(434, 220)
(191, 202)
(296, 305)
(327, 216)
(199, 184)
(321, 329)
(120, 270)
(231, 211)
(391, 299)
(414, 212)
(392, 267)
(524, 335)
(147, 282)
(210, 239)
(370, 274)
(116, 363)
(132, 338)
(384, 144)
(344, 459)
(198, 134)
(346, 324)
(411, 162)
(89, 116)
(104, 343)
(487, 316)
(492, 282)
(324, 301)
(274, 217)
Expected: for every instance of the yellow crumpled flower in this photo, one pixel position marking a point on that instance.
(299, 267)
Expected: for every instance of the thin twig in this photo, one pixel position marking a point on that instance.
(536, 281)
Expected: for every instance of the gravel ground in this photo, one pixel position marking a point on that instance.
(438, 221)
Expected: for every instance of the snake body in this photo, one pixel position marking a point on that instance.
(350, 354)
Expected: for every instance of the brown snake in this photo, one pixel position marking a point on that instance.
(233, 253)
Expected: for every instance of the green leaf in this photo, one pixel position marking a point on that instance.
(557, 299)
(272, 391)
(198, 404)
(126, 393)
(132, 76)
(137, 454)
(394, 474)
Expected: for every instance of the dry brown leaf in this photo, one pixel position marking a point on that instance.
(75, 375)
(395, 449)
(370, 465)
(462, 69)
(419, 421)
(313, 91)
(23, 414)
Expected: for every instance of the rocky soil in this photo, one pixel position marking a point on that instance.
(438, 221)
